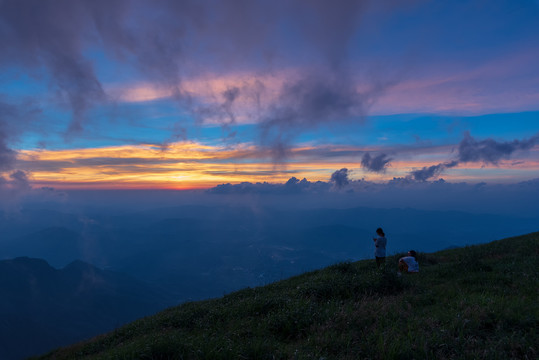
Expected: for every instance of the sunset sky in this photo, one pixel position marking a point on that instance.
(193, 94)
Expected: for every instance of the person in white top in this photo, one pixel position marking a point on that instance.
(408, 264)
(380, 243)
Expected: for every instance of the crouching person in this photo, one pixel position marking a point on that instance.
(408, 264)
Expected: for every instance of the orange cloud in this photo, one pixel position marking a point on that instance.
(187, 165)
(179, 165)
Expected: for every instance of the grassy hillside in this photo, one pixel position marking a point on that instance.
(478, 302)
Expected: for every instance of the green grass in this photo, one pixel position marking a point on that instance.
(477, 302)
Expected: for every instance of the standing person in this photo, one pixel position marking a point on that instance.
(380, 247)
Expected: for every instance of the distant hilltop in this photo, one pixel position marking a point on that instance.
(475, 302)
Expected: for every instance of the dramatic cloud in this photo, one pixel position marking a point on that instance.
(16, 183)
(312, 101)
(491, 151)
(7, 156)
(55, 35)
(13, 117)
(340, 178)
(472, 150)
(428, 172)
(271, 73)
(375, 164)
(50, 34)
(167, 41)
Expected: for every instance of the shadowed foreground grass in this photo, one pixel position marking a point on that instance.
(478, 302)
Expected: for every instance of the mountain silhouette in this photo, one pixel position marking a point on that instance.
(42, 307)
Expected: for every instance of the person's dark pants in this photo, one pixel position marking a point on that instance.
(380, 260)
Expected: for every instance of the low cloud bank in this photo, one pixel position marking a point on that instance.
(292, 186)
(407, 192)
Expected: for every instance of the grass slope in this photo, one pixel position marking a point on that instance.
(478, 302)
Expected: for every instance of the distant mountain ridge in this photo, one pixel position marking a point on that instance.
(42, 307)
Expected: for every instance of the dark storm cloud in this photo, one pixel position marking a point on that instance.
(375, 164)
(491, 151)
(340, 178)
(428, 172)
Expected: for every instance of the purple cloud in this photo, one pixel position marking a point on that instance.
(167, 40)
(340, 178)
(330, 98)
(7, 156)
(491, 151)
(12, 118)
(375, 164)
(428, 172)
(19, 181)
(292, 186)
(470, 149)
(50, 34)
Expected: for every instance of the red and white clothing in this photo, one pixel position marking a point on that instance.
(411, 262)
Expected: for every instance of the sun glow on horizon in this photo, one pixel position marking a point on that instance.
(192, 165)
